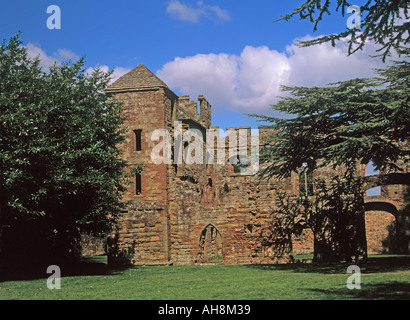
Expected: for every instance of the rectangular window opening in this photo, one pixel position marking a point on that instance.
(138, 184)
(138, 137)
(305, 182)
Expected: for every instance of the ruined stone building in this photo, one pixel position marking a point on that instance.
(197, 213)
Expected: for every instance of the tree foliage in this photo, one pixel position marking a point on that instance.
(339, 125)
(60, 169)
(386, 22)
(332, 216)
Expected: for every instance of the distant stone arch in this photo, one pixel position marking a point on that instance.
(386, 179)
(210, 244)
(377, 203)
(381, 227)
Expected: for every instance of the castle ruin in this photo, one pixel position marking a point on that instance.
(185, 214)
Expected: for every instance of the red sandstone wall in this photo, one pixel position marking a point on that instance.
(380, 232)
(144, 227)
(166, 222)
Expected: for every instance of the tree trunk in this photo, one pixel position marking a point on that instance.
(342, 238)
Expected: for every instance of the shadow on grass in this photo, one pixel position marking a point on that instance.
(376, 264)
(381, 291)
(89, 266)
(85, 266)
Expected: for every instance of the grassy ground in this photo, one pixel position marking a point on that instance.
(384, 277)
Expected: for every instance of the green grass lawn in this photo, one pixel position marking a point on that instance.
(384, 277)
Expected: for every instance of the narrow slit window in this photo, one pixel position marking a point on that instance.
(138, 184)
(138, 136)
(305, 182)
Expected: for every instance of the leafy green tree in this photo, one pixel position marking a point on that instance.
(386, 22)
(60, 166)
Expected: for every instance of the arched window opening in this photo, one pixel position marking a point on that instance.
(238, 162)
(381, 228)
(305, 181)
(210, 245)
(372, 170)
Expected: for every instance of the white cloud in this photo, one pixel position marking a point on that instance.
(35, 51)
(261, 72)
(181, 11)
(323, 64)
(250, 82)
(64, 54)
(213, 73)
(117, 73)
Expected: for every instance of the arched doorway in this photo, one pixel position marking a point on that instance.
(210, 244)
(381, 228)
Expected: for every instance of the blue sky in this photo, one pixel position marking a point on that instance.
(230, 51)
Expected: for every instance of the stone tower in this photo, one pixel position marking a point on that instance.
(147, 105)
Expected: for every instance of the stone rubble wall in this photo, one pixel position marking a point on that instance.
(201, 213)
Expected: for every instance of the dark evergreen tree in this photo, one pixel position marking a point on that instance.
(385, 22)
(341, 126)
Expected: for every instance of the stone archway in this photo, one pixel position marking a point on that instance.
(381, 227)
(395, 191)
(210, 244)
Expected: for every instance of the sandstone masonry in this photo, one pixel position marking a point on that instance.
(210, 213)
